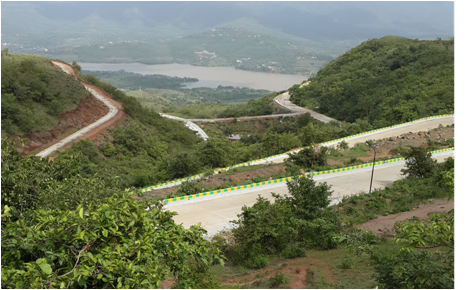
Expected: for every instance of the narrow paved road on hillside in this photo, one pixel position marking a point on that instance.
(96, 127)
(283, 101)
(214, 212)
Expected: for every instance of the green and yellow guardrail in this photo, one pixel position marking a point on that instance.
(291, 177)
(293, 151)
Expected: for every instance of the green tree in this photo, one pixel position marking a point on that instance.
(274, 143)
(308, 157)
(419, 163)
(76, 66)
(286, 226)
(215, 152)
(183, 164)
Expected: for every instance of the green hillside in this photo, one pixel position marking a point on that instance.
(386, 81)
(34, 93)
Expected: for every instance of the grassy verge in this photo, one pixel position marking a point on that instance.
(322, 270)
(404, 195)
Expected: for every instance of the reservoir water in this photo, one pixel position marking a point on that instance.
(208, 76)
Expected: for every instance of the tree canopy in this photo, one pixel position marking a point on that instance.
(385, 81)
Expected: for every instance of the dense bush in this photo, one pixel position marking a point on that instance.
(287, 227)
(30, 183)
(62, 230)
(308, 158)
(413, 269)
(385, 81)
(34, 93)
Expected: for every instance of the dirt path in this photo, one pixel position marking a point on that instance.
(66, 68)
(383, 225)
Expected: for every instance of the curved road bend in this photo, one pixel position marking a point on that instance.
(283, 101)
(214, 212)
(113, 111)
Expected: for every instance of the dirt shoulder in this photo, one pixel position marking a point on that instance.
(383, 225)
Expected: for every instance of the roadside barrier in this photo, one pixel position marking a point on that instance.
(293, 151)
(291, 177)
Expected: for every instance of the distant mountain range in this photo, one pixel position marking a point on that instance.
(42, 27)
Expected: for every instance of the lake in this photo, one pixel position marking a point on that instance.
(210, 77)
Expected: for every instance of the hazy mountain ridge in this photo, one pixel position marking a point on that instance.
(50, 24)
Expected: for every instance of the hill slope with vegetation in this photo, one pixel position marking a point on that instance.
(34, 93)
(386, 81)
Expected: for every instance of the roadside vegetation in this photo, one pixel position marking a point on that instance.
(384, 81)
(100, 237)
(268, 235)
(61, 229)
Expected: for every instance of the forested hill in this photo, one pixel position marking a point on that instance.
(34, 93)
(386, 81)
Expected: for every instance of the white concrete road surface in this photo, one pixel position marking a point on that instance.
(113, 110)
(283, 101)
(214, 212)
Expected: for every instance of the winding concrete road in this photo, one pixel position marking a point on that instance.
(113, 111)
(283, 101)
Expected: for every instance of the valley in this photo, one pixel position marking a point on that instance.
(225, 157)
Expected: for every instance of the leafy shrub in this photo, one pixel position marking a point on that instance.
(310, 277)
(277, 281)
(189, 188)
(343, 145)
(293, 170)
(413, 269)
(376, 203)
(293, 251)
(258, 178)
(289, 225)
(346, 263)
(154, 246)
(258, 261)
(349, 210)
(308, 157)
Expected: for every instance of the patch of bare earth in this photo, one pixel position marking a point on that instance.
(415, 139)
(88, 111)
(383, 225)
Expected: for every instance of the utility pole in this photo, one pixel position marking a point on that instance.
(373, 146)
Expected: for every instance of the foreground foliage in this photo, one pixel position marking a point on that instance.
(60, 230)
